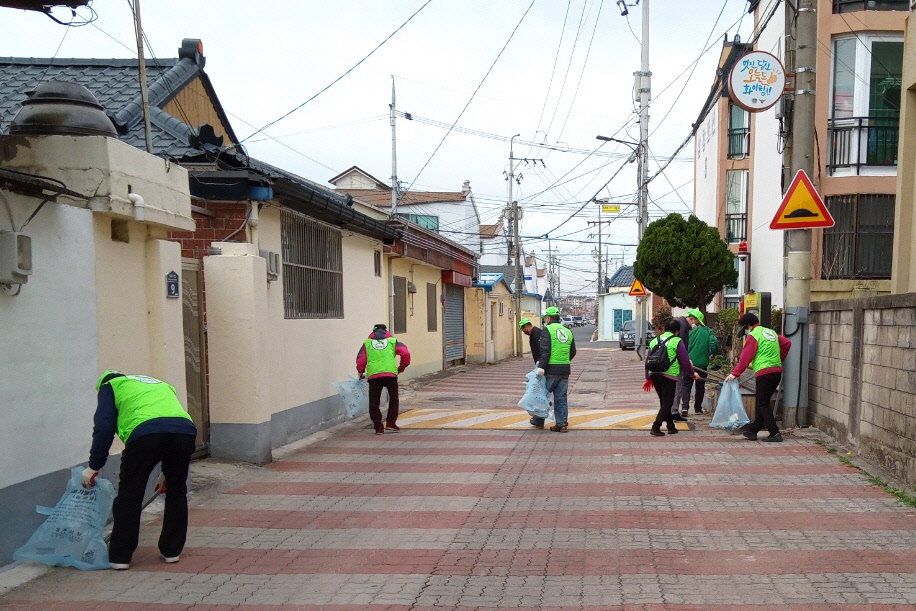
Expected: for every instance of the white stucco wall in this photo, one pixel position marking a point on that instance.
(706, 168)
(425, 346)
(49, 332)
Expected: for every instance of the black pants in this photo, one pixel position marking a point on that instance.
(138, 460)
(664, 387)
(764, 419)
(686, 385)
(375, 398)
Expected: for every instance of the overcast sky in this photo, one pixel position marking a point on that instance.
(558, 72)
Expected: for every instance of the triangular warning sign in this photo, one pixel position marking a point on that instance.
(801, 207)
(637, 290)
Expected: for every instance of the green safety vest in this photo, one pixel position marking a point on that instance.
(380, 356)
(671, 347)
(141, 398)
(561, 340)
(768, 354)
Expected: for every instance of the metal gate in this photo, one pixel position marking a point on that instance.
(195, 361)
(454, 324)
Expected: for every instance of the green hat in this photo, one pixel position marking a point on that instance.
(698, 315)
(523, 322)
(552, 311)
(107, 375)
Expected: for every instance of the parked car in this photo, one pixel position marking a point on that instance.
(628, 334)
(567, 321)
(578, 321)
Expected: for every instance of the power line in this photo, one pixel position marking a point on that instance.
(332, 83)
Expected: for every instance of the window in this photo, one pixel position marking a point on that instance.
(865, 101)
(732, 292)
(432, 308)
(735, 206)
(427, 221)
(861, 242)
(377, 260)
(848, 6)
(739, 132)
(400, 305)
(312, 268)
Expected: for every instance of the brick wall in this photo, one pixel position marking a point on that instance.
(227, 218)
(862, 382)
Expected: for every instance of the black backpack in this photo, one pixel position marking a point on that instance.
(657, 360)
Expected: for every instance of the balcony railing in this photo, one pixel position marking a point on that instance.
(848, 6)
(739, 142)
(735, 228)
(862, 141)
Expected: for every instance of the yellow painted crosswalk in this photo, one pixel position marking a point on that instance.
(624, 419)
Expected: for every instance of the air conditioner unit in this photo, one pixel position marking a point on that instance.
(273, 264)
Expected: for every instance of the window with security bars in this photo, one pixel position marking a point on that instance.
(432, 308)
(312, 268)
(861, 242)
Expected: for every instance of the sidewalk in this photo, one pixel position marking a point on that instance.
(522, 520)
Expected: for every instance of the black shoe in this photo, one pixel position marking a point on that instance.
(699, 411)
(685, 413)
(536, 424)
(559, 428)
(656, 432)
(678, 418)
(750, 435)
(776, 437)
(672, 430)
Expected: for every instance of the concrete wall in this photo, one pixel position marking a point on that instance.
(863, 378)
(425, 346)
(475, 325)
(903, 274)
(271, 377)
(96, 299)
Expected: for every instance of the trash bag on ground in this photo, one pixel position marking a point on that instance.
(535, 400)
(355, 395)
(73, 533)
(730, 414)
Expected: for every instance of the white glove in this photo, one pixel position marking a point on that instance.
(160, 484)
(730, 378)
(540, 372)
(88, 477)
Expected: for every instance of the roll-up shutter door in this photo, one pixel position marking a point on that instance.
(454, 323)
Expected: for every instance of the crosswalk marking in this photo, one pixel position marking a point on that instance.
(624, 419)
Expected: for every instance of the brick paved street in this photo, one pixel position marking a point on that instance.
(523, 520)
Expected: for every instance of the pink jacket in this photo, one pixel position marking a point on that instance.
(400, 350)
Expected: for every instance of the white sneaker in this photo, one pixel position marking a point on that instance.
(118, 566)
(171, 559)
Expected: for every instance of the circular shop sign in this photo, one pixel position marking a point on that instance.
(756, 81)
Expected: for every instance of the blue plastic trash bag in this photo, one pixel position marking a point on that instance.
(535, 400)
(73, 533)
(355, 395)
(730, 414)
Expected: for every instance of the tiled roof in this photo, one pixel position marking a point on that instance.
(622, 277)
(116, 85)
(490, 231)
(382, 198)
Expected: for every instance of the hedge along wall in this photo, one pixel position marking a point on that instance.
(862, 381)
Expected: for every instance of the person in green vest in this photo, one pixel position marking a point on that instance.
(764, 351)
(665, 382)
(381, 358)
(701, 345)
(156, 430)
(558, 348)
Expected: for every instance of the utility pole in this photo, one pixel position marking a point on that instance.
(513, 205)
(144, 98)
(798, 241)
(394, 153)
(644, 89)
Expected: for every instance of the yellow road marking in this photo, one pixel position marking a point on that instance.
(603, 419)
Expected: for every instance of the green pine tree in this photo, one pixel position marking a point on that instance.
(684, 261)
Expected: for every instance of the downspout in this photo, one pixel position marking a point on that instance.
(253, 223)
(139, 206)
